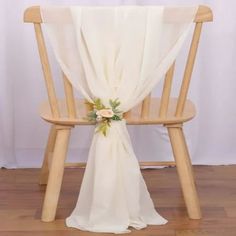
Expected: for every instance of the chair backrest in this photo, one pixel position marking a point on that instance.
(204, 14)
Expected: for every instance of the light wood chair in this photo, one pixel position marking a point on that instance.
(63, 115)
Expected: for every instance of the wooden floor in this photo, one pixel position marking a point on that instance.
(21, 201)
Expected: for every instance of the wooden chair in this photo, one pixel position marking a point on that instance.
(66, 114)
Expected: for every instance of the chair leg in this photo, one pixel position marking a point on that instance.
(56, 174)
(185, 172)
(43, 179)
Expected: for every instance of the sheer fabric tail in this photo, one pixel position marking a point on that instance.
(113, 195)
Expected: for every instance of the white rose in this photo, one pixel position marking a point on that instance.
(99, 118)
(107, 113)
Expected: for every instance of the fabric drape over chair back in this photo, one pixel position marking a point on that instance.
(117, 47)
(115, 53)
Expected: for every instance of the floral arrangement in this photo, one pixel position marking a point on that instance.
(103, 115)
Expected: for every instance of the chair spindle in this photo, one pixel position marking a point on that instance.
(188, 70)
(70, 99)
(146, 106)
(166, 91)
(46, 71)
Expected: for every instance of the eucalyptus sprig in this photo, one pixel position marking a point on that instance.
(103, 115)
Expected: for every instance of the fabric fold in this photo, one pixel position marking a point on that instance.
(113, 195)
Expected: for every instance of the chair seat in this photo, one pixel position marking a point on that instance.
(133, 118)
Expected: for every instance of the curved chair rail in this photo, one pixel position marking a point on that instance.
(32, 14)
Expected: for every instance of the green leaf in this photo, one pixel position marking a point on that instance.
(116, 117)
(114, 103)
(92, 116)
(102, 127)
(98, 104)
(89, 105)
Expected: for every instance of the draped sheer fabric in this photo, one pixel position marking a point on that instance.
(115, 52)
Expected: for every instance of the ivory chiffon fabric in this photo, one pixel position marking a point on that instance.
(115, 52)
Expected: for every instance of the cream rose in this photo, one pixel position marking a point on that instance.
(107, 113)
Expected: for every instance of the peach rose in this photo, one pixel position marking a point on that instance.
(107, 113)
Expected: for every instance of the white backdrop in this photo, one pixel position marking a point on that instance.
(211, 135)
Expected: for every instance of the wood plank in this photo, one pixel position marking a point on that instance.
(21, 201)
(218, 232)
(231, 211)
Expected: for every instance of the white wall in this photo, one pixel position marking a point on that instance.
(211, 135)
